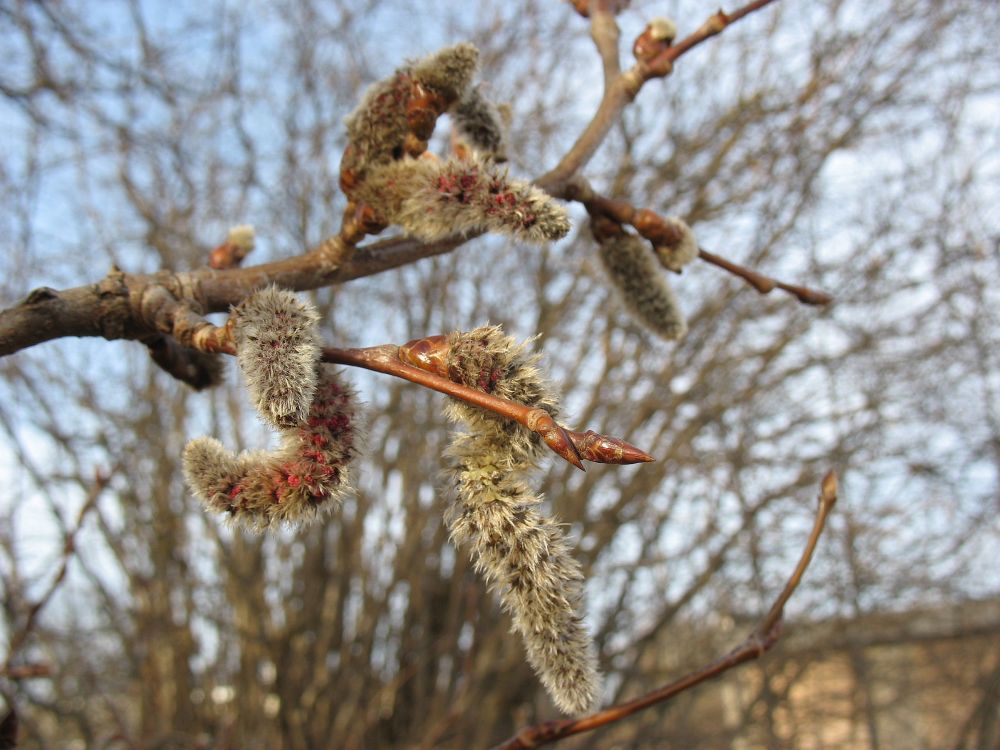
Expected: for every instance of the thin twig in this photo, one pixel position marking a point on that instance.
(18, 639)
(760, 641)
(624, 212)
(765, 284)
(574, 447)
(620, 92)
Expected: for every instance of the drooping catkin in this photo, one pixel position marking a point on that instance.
(522, 554)
(304, 479)
(632, 267)
(434, 199)
(277, 349)
(478, 122)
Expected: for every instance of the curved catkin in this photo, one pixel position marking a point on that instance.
(277, 349)
(434, 199)
(377, 128)
(478, 122)
(522, 554)
(644, 289)
(304, 479)
(448, 71)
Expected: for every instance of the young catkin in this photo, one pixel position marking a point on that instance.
(522, 554)
(377, 128)
(277, 349)
(632, 267)
(305, 478)
(478, 122)
(434, 199)
(675, 257)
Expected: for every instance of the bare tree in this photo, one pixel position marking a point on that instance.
(844, 149)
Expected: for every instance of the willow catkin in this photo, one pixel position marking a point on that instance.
(522, 554)
(434, 199)
(632, 267)
(304, 479)
(277, 348)
(478, 122)
(377, 128)
(674, 257)
(278, 351)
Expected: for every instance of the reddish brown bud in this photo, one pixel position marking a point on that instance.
(423, 109)
(222, 257)
(655, 228)
(555, 436)
(429, 353)
(601, 449)
(414, 146)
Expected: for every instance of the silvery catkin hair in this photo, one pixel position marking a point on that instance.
(377, 128)
(306, 477)
(521, 553)
(478, 122)
(632, 266)
(433, 199)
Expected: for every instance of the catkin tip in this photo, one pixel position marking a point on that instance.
(278, 349)
(448, 71)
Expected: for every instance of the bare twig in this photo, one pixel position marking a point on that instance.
(763, 637)
(21, 635)
(571, 446)
(623, 89)
(657, 230)
(765, 284)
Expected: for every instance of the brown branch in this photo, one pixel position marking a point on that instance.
(763, 637)
(136, 306)
(571, 446)
(623, 89)
(663, 64)
(765, 284)
(19, 637)
(657, 230)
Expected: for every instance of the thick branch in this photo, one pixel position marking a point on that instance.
(135, 306)
(758, 643)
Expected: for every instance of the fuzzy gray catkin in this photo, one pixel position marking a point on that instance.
(304, 479)
(277, 349)
(378, 126)
(278, 352)
(434, 199)
(632, 267)
(522, 554)
(478, 122)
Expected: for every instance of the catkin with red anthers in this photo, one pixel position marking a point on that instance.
(306, 477)
(632, 267)
(434, 199)
(377, 129)
(521, 553)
